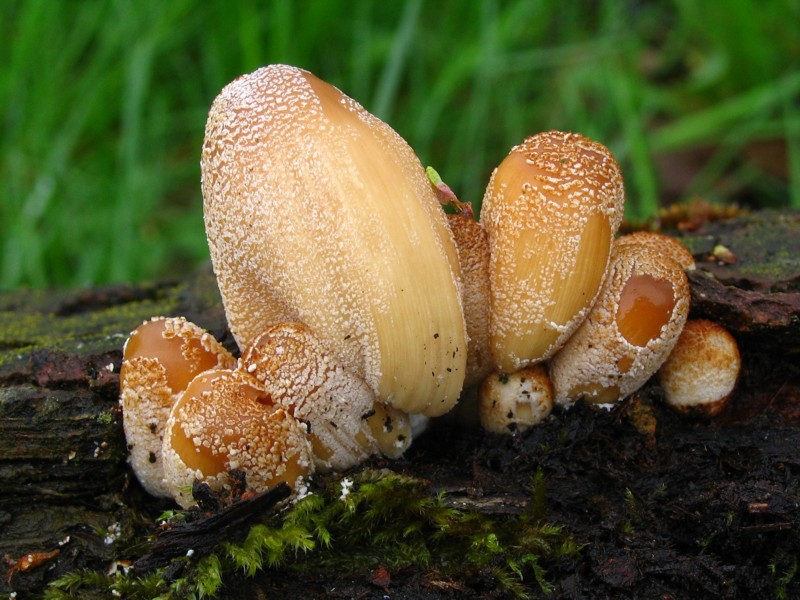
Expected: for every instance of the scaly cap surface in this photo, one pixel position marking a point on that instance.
(316, 211)
(550, 210)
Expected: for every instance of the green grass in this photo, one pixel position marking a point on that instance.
(104, 104)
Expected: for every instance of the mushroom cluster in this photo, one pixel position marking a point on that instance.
(360, 308)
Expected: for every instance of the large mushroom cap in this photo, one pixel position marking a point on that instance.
(316, 211)
(551, 210)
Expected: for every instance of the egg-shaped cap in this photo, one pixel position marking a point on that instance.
(701, 372)
(300, 374)
(317, 211)
(551, 210)
(515, 402)
(662, 243)
(629, 332)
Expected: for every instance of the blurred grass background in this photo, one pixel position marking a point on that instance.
(103, 105)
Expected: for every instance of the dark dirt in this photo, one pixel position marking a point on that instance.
(666, 508)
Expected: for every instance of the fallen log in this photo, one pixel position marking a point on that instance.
(664, 505)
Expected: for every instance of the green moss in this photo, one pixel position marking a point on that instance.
(765, 245)
(784, 568)
(105, 418)
(375, 518)
(28, 327)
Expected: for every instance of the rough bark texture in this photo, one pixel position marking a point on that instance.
(667, 507)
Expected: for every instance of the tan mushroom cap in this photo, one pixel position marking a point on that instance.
(515, 402)
(659, 242)
(224, 422)
(316, 211)
(292, 365)
(629, 332)
(551, 210)
(160, 358)
(701, 372)
(473, 256)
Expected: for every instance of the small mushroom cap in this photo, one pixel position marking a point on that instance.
(629, 332)
(391, 429)
(515, 402)
(223, 422)
(551, 210)
(301, 375)
(473, 257)
(701, 372)
(160, 358)
(316, 211)
(659, 242)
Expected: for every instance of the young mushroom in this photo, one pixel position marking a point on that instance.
(629, 332)
(701, 371)
(160, 358)
(515, 402)
(224, 422)
(551, 210)
(318, 212)
(664, 244)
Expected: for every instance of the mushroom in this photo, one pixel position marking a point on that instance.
(160, 358)
(473, 256)
(340, 410)
(551, 210)
(666, 245)
(392, 429)
(224, 422)
(629, 332)
(318, 212)
(701, 371)
(511, 403)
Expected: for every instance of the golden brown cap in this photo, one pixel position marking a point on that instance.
(551, 210)
(659, 242)
(700, 373)
(224, 422)
(629, 332)
(160, 358)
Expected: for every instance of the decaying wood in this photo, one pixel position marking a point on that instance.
(65, 485)
(200, 535)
